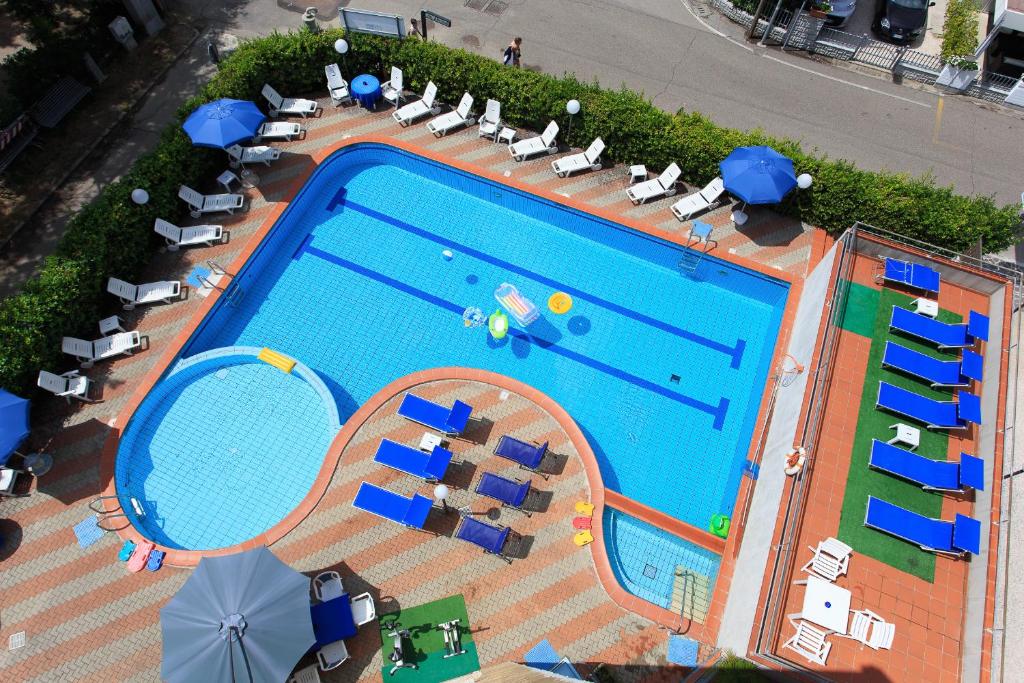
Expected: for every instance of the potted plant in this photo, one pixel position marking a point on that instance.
(958, 73)
(820, 10)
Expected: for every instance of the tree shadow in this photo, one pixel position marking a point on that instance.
(10, 538)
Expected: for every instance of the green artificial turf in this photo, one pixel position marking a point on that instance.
(874, 424)
(425, 645)
(860, 310)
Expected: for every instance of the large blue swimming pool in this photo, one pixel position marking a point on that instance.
(662, 369)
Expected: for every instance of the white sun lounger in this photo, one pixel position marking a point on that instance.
(542, 144)
(578, 162)
(278, 130)
(392, 90)
(490, 122)
(88, 352)
(419, 108)
(287, 105)
(694, 203)
(188, 236)
(69, 385)
(663, 185)
(149, 293)
(252, 155)
(453, 119)
(209, 203)
(337, 86)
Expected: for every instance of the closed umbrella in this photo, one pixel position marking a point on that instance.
(242, 617)
(223, 123)
(758, 175)
(13, 423)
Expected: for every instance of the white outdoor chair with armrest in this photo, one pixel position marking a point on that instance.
(872, 630)
(809, 642)
(490, 122)
(252, 155)
(209, 203)
(421, 107)
(542, 144)
(332, 655)
(88, 352)
(287, 105)
(337, 86)
(694, 203)
(591, 159)
(309, 674)
(831, 559)
(277, 130)
(392, 90)
(149, 293)
(327, 586)
(69, 385)
(663, 185)
(188, 236)
(363, 609)
(453, 119)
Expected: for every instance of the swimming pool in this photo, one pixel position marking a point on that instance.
(662, 369)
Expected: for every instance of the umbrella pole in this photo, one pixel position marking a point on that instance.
(231, 655)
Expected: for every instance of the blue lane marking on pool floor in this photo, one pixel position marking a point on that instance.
(718, 412)
(735, 353)
(337, 200)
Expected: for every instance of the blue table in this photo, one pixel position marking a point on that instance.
(366, 89)
(332, 620)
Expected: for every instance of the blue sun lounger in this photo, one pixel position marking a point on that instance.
(511, 493)
(936, 535)
(490, 538)
(528, 455)
(429, 414)
(940, 373)
(933, 475)
(934, 414)
(412, 512)
(943, 335)
(911, 274)
(428, 466)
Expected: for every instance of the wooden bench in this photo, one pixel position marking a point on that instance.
(59, 101)
(15, 138)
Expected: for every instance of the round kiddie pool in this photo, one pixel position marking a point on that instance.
(224, 447)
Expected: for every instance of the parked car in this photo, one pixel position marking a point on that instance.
(840, 12)
(902, 20)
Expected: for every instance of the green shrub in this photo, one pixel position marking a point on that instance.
(960, 30)
(112, 236)
(735, 669)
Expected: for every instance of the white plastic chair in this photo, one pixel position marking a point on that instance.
(490, 122)
(327, 586)
(809, 642)
(277, 130)
(453, 119)
(88, 352)
(332, 655)
(287, 105)
(363, 609)
(310, 674)
(184, 237)
(665, 184)
(577, 162)
(419, 108)
(831, 559)
(252, 155)
(337, 86)
(542, 144)
(694, 203)
(149, 293)
(392, 90)
(8, 478)
(69, 385)
(872, 630)
(209, 203)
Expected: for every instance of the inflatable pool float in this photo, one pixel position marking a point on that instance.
(560, 303)
(719, 526)
(473, 317)
(517, 305)
(497, 324)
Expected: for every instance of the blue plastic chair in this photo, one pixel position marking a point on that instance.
(934, 475)
(527, 455)
(490, 538)
(510, 493)
(911, 274)
(934, 414)
(428, 466)
(412, 512)
(445, 420)
(940, 373)
(934, 535)
(943, 335)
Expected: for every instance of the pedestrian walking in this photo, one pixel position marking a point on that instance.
(513, 53)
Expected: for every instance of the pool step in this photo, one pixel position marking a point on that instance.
(277, 359)
(691, 594)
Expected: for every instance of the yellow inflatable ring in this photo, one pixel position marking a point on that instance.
(560, 303)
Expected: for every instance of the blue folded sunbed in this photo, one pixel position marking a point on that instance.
(445, 420)
(411, 512)
(941, 373)
(511, 493)
(935, 475)
(934, 414)
(943, 335)
(911, 274)
(527, 455)
(936, 535)
(429, 466)
(490, 538)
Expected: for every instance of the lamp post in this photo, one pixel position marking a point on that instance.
(441, 495)
(573, 107)
(140, 196)
(341, 47)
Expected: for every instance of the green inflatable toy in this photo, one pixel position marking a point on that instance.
(497, 324)
(719, 526)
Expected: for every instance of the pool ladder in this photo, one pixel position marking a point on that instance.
(691, 258)
(232, 293)
(104, 515)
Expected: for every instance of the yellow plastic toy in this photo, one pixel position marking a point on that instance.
(277, 359)
(583, 538)
(584, 508)
(560, 303)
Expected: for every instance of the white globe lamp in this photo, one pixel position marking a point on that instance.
(140, 196)
(804, 181)
(341, 46)
(441, 495)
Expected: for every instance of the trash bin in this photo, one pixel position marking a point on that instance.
(122, 32)
(309, 20)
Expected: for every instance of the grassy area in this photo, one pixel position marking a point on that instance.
(860, 310)
(874, 424)
(425, 646)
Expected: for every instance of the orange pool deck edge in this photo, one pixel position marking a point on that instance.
(726, 548)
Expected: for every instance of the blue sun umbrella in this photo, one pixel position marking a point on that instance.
(241, 617)
(758, 175)
(223, 123)
(13, 423)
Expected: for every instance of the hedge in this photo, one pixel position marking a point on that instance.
(960, 30)
(112, 236)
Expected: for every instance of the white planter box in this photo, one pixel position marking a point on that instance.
(956, 78)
